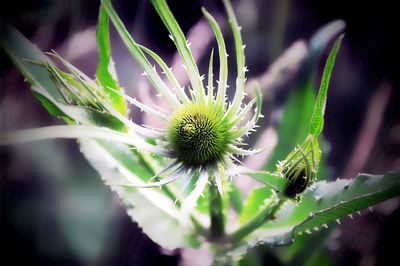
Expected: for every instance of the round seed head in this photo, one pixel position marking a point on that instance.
(198, 134)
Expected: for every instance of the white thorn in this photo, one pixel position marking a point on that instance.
(308, 231)
(370, 209)
(325, 225)
(351, 216)
(359, 213)
(338, 221)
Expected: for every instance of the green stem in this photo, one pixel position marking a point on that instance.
(266, 214)
(217, 219)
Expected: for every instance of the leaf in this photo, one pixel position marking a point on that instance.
(153, 209)
(240, 59)
(75, 132)
(103, 73)
(139, 56)
(182, 46)
(326, 202)
(223, 58)
(235, 198)
(317, 119)
(294, 125)
(168, 72)
(21, 50)
(254, 203)
(155, 212)
(292, 129)
(270, 180)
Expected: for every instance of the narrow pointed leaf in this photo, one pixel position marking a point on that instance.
(317, 119)
(298, 110)
(178, 88)
(223, 58)
(240, 59)
(104, 73)
(182, 46)
(137, 53)
(210, 91)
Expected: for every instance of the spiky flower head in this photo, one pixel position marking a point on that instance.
(202, 133)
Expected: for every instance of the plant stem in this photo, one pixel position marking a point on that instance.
(217, 219)
(266, 214)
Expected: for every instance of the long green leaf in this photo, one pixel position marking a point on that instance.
(140, 58)
(223, 58)
(240, 59)
(294, 125)
(105, 68)
(317, 119)
(168, 72)
(182, 46)
(327, 202)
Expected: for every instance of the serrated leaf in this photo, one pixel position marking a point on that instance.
(153, 209)
(156, 213)
(325, 202)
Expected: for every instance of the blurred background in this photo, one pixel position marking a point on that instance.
(54, 209)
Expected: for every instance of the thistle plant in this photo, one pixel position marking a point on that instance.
(195, 156)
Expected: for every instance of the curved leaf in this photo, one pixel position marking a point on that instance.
(182, 46)
(327, 202)
(105, 69)
(294, 125)
(317, 119)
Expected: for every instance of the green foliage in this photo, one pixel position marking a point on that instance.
(299, 107)
(327, 202)
(96, 114)
(105, 72)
